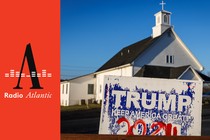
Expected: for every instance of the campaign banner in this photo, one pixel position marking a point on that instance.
(151, 106)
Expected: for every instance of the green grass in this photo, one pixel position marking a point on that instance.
(80, 107)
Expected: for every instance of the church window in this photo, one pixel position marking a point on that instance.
(90, 88)
(165, 19)
(63, 88)
(169, 59)
(66, 88)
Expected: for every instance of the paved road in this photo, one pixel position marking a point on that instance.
(205, 127)
(91, 125)
(84, 126)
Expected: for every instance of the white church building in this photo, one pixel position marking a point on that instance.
(161, 55)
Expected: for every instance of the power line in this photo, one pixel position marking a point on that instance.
(72, 71)
(73, 66)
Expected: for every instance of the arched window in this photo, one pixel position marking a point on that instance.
(165, 19)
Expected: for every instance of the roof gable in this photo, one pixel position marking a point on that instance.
(195, 60)
(168, 45)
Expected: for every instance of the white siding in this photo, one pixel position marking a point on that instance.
(75, 90)
(64, 93)
(125, 71)
(167, 45)
(79, 89)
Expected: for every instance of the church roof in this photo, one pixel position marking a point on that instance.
(161, 71)
(204, 77)
(128, 54)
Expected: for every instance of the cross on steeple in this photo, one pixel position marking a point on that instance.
(162, 21)
(162, 3)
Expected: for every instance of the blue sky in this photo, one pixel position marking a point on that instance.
(92, 31)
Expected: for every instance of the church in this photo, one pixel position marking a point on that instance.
(161, 55)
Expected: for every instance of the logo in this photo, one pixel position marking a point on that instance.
(33, 74)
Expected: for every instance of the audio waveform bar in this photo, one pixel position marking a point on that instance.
(14, 73)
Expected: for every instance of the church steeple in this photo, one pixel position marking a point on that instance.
(162, 21)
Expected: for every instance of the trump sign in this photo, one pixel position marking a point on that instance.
(148, 106)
